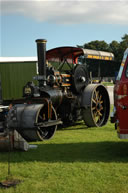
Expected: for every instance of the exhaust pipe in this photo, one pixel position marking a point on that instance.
(41, 53)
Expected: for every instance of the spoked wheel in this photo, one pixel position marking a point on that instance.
(48, 131)
(96, 105)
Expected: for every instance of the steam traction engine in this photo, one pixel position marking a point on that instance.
(63, 95)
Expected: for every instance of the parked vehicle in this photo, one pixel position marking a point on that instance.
(120, 112)
(63, 94)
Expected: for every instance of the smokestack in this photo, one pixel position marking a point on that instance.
(41, 53)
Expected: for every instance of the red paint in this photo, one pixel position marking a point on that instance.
(121, 98)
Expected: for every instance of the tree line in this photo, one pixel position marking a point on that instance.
(107, 69)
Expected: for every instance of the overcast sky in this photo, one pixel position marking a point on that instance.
(61, 22)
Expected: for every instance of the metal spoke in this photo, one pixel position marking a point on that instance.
(93, 108)
(94, 101)
(99, 113)
(97, 94)
(40, 117)
(97, 106)
(101, 108)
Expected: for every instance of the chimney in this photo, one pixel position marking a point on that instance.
(41, 53)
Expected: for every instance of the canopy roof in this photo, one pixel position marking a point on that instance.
(64, 52)
(74, 52)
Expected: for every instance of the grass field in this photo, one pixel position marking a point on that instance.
(75, 160)
(107, 83)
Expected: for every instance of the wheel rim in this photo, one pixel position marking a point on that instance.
(97, 106)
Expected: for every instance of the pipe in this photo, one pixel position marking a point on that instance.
(41, 53)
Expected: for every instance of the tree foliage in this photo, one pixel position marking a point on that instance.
(114, 48)
(122, 47)
(96, 45)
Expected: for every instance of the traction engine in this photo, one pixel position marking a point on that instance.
(64, 94)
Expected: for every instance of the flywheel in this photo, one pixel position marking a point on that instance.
(80, 78)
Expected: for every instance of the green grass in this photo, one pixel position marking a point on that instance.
(75, 160)
(107, 83)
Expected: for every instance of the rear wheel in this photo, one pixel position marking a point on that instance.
(96, 105)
